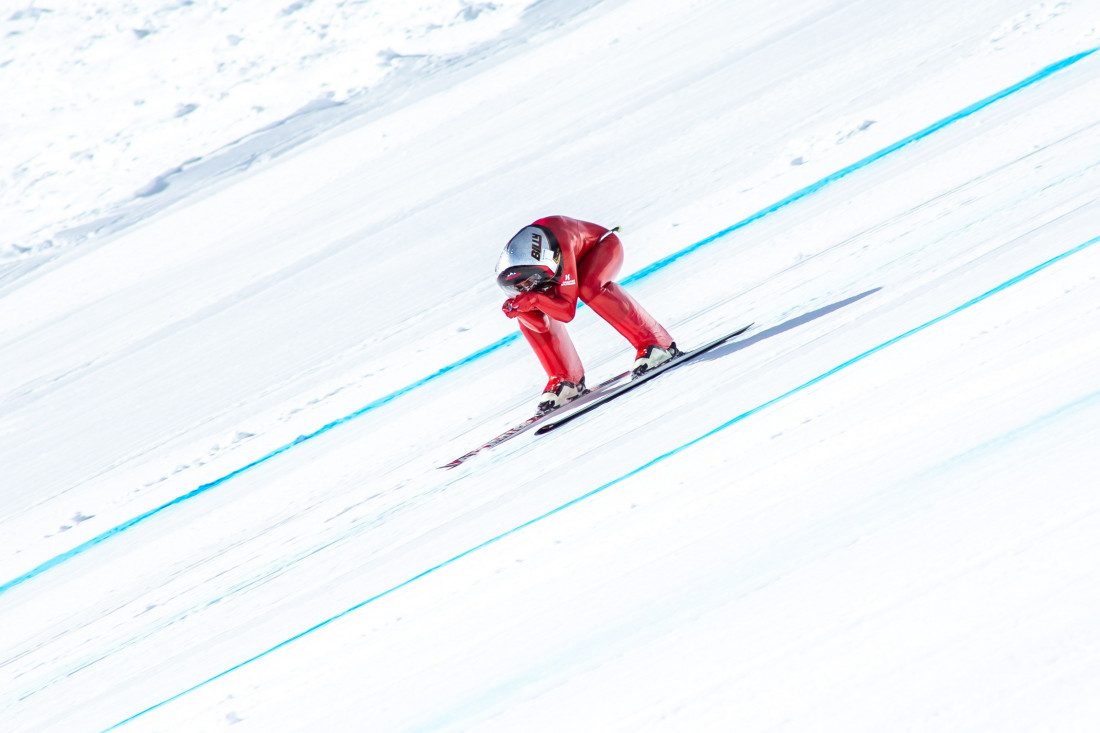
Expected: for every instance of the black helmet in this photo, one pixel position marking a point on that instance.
(531, 260)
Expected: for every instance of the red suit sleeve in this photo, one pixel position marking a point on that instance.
(575, 237)
(560, 301)
(534, 320)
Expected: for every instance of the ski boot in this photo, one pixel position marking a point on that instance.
(652, 356)
(557, 393)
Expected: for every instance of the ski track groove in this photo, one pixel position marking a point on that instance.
(637, 276)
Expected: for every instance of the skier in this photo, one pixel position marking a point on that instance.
(546, 267)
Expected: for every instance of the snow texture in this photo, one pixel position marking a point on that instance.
(247, 309)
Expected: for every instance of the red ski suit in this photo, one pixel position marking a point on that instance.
(591, 257)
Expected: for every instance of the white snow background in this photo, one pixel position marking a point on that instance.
(247, 310)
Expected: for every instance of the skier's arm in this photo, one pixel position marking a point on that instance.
(534, 320)
(561, 305)
(561, 302)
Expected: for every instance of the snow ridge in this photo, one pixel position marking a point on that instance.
(203, 76)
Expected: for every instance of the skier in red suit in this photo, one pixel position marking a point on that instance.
(547, 267)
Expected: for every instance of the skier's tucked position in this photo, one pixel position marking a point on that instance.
(546, 268)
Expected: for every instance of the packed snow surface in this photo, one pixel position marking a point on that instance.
(247, 310)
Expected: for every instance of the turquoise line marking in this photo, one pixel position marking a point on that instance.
(833, 177)
(659, 459)
(1022, 432)
(501, 343)
(100, 538)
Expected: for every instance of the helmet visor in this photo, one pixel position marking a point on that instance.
(524, 278)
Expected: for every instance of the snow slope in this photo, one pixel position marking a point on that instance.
(221, 416)
(111, 103)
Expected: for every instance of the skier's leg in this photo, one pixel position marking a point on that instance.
(555, 351)
(610, 300)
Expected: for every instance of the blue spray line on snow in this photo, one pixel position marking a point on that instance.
(834, 177)
(1004, 440)
(85, 546)
(499, 344)
(659, 459)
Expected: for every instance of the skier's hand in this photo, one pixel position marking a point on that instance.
(509, 308)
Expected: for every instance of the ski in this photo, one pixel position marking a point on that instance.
(601, 394)
(621, 389)
(592, 394)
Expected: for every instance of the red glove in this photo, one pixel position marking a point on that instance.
(533, 319)
(526, 302)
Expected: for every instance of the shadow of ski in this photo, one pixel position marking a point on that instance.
(801, 320)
